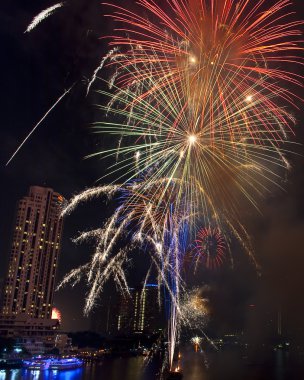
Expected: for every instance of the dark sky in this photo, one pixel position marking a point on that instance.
(35, 70)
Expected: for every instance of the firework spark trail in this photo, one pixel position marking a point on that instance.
(101, 255)
(87, 236)
(110, 227)
(87, 195)
(164, 268)
(144, 284)
(171, 279)
(39, 122)
(74, 276)
(245, 243)
(42, 16)
(166, 259)
(174, 320)
(114, 268)
(105, 262)
(96, 71)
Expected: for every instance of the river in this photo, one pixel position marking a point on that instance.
(278, 365)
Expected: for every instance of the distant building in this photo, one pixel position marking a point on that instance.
(1, 290)
(33, 346)
(126, 307)
(29, 287)
(103, 318)
(140, 311)
(63, 343)
(264, 321)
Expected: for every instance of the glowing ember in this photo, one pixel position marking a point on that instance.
(56, 314)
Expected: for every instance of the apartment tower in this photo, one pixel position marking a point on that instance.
(30, 283)
(139, 311)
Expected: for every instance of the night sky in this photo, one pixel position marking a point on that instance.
(36, 68)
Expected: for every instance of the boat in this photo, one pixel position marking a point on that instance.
(41, 364)
(66, 363)
(37, 364)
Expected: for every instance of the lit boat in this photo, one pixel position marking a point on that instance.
(41, 364)
(66, 363)
(37, 364)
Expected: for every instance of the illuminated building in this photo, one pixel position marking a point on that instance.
(125, 316)
(1, 290)
(140, 312)
(29, 287)
(146, 310)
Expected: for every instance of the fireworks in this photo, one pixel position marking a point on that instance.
(221, 56)
(197, 86)
(196, 341)
(210, 247)
(194, 308)
(141, 215)
(39, 122)
(56, 314)
(148, 215)
(42, 16)
(198, 101)
(215, 174)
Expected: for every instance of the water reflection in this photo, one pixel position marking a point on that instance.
(21, 374)
(278, 365)
(194, 364)
(118, 369)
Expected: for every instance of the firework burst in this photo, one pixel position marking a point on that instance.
(210, 248)
(194, 309)
(199, 104)
(215, 174)
(199, 99)
(220, 55)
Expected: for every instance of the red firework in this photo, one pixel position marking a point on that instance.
(210, 247)
(224, 58)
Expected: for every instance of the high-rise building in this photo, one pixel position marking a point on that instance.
(147, 309)
(140, 311)
(126, 307)
(103, 317)
(30, 283)
(2, 281)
